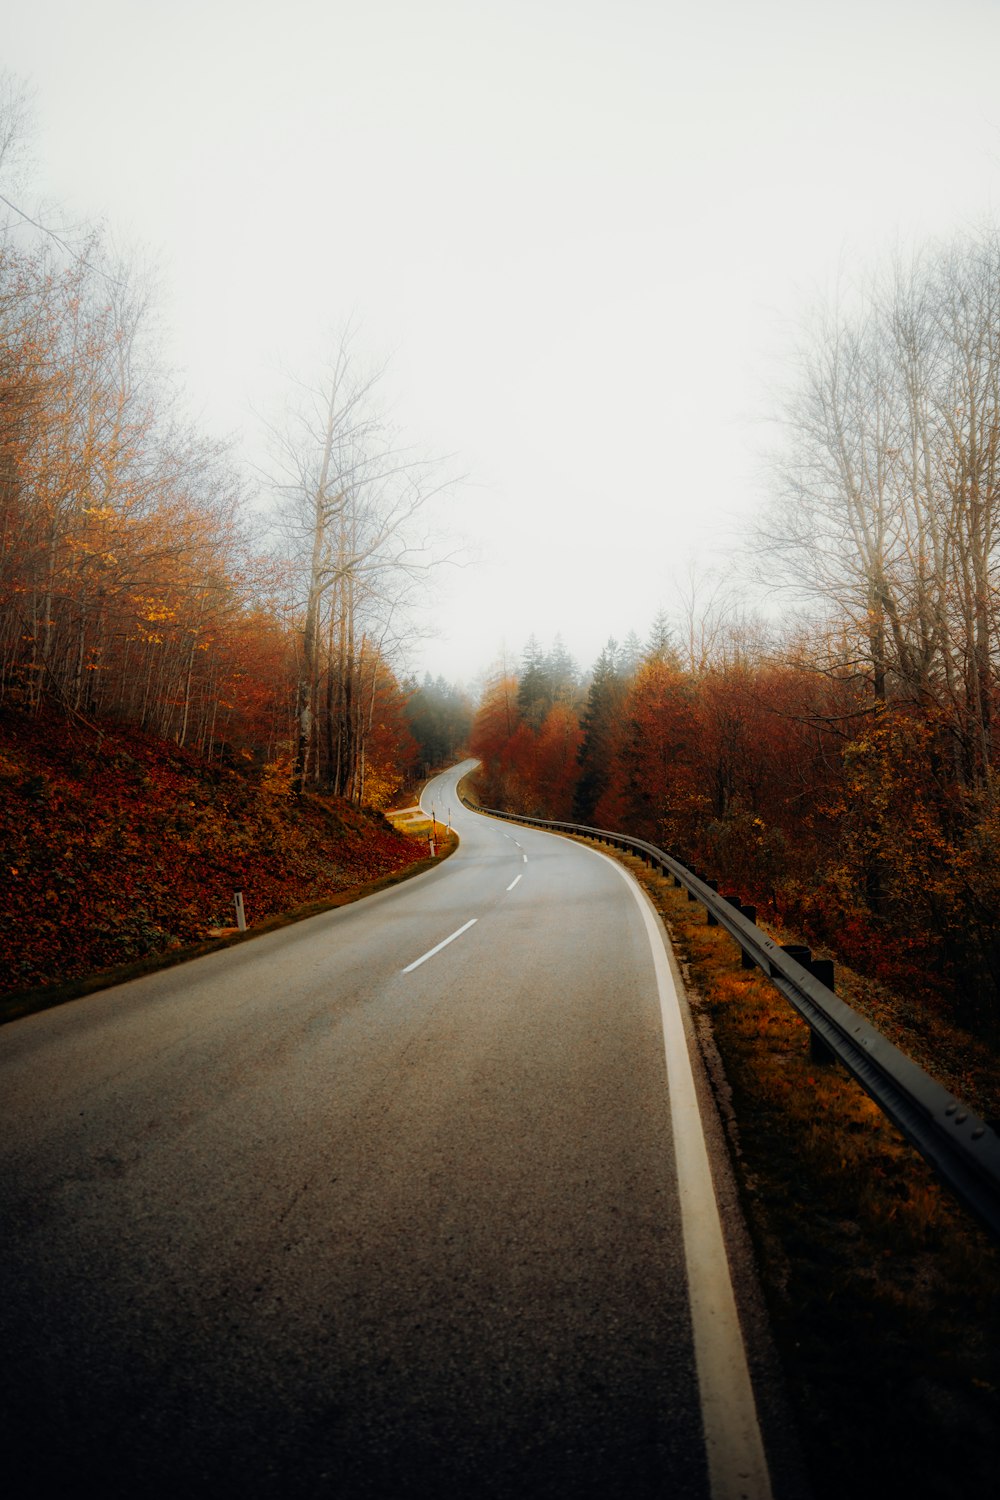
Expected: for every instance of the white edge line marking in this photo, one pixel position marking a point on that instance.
(514, 882)
(524, 859)
(437, 949)
(737, 1465)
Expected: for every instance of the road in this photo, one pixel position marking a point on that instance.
(383, 1204)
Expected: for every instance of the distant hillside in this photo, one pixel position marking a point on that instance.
(116, 848)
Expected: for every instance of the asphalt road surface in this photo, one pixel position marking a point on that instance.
(385, 1204)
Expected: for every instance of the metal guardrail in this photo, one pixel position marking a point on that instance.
(962, 1149)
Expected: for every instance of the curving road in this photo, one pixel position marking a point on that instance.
(385, 1204)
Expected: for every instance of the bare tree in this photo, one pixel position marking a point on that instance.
(350, 498)
(888, 497)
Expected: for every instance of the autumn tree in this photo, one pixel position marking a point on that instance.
(888, 492)
(556, 761)
(132, 584)
(127, 576)
(654, 788)
(887, 518)
(494, 727)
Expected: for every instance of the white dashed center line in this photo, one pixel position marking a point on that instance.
(437, 948)
(514, 882)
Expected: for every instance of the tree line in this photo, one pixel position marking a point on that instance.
(135, 582)
(840, 767)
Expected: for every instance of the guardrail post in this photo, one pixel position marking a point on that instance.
(801, 954)
(821, 969)
(750, 912)
(819, 1052)
(713, 885)
(746, 962)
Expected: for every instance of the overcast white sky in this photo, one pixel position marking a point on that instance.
(585, 227)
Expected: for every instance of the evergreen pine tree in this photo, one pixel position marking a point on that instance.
(600, 723)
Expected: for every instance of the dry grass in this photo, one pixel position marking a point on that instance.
(418, 827)
(884, 1294)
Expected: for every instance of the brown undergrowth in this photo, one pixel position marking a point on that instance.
(884, 1294)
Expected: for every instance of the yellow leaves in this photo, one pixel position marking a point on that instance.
(382, 782)
(276, 777)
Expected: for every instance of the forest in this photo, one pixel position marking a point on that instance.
(835, 762)
(133, 582)
(203, 682)
(831, 752)
(145, 579)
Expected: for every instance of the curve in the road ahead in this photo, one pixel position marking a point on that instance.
(391, 1203)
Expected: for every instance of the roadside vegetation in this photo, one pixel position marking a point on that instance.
(839, 769)
(127, 851)
(203, 682)
(883, 1294)
(190, 707)
(145, 580)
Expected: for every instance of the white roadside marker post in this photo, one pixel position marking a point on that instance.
(241, 920)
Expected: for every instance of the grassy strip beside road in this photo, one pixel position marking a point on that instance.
(884, 1295)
